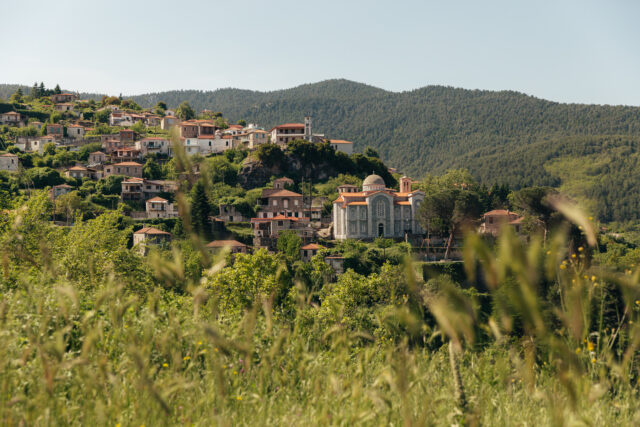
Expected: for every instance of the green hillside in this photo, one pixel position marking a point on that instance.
(505, 137)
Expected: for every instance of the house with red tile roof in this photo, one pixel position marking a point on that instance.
(11, 118)
(132, 169)
(150, 236)
(157, 207)
(493, 221)
(287, 132)
(63, 107)
(309, 251)
(342, 145)
(75, 131)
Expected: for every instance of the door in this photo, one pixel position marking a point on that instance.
(380, 230)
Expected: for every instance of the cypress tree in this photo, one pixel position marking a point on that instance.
(199, 209)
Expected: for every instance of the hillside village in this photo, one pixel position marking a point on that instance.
(95, 156)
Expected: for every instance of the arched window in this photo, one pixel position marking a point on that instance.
(380, 208)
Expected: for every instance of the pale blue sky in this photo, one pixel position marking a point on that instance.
(562, 50)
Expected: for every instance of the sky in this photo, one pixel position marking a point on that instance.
(563, 50)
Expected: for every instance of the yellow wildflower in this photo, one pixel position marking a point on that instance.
(563, 267)
(590, 346)
(637, 302)
(578, 350)
(573, 256)
(593, 360)
(593, 278)
(580, 249)
(186, 358)
(235, 372)
(199, 342)
(165, 365)
(238, 397)
(548, 252)
(590, 218)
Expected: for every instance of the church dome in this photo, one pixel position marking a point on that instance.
(373, 183)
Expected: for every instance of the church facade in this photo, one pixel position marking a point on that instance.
(376, 211)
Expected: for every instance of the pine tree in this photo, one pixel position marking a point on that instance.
(35, 91)
(57, 90)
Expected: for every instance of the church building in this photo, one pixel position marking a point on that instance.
(376, 211)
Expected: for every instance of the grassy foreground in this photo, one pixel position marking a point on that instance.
(102, 358)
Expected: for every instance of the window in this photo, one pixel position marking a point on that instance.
(280, 223)
(275, 202)
(381, 208)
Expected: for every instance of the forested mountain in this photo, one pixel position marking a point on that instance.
(504, 137)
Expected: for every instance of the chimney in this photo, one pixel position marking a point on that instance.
(307, 128)
(405, 185)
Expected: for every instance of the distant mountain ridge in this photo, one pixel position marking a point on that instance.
(505, 136)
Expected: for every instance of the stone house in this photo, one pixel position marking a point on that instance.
(9, 162)
(342, 145)
(309, 251)
(157, 207)
(132, 169)
(494, 220)
(59, 190)
(62, 97)
(229, 213)
(234, 246)
(143, 189)
(56, 130)
(97, 158)
(149, 236)
(75, 131)
(154, 145)
(11, 118)
(267, 230)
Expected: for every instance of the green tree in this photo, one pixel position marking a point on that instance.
(151, 170)
(250, 280)
(533, 202)
(49, 148)
(110, 185)
(270, 155)
(185, 112)
(139, 127)
(102, 116)
(371, 152)
(57, 90)
(242, 122)
(41, 177)
(289, 244)
(448, 210)
(17, 97)
(68, 204)
(383, 244)
(199, 209)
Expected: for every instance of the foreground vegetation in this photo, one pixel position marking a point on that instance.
(94, 334)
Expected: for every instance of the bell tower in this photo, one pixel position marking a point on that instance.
(307, 129)
(405, 184)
